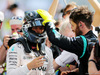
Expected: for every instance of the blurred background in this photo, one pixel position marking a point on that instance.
(25, 5)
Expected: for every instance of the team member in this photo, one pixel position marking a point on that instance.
(16, 24)
(80, 19)
(31, 56)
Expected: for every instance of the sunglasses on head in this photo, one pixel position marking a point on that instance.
(68, 12)
(17, 18)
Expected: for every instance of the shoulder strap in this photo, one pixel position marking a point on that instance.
(24, 43)
(84, 44)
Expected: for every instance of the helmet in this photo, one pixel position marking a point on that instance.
(32, 18)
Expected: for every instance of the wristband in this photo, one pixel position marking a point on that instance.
(5, 47)
(92, 61)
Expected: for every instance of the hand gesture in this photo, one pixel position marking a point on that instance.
(37, 62)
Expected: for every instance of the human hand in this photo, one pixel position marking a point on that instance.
(65, 72)
(37, 62)
(45, 15)
(6, 40)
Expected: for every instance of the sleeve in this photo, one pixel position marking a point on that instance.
(64, 58)
(71, 44)
(50, 69)
(13, 62)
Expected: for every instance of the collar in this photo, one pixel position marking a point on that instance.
(90, 34)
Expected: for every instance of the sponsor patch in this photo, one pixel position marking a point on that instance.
(12, 49)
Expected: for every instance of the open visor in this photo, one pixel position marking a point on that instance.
(37, 22)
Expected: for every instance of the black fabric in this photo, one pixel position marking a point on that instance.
(74, 45)
(55, 50)
(23, 41)
(73, 73)
(98, 66)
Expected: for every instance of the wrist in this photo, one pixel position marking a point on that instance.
(5, 47)
(29, 66)
(92, 58)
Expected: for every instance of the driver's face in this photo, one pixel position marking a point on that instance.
(38, 29)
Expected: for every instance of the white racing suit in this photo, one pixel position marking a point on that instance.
(17, 61)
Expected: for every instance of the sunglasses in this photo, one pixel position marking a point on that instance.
(17, 18)
(68, 12)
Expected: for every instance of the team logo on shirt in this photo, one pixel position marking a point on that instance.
(40, 68)
(12, 48)
(27, 57)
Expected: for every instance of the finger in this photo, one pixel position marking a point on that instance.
(40, 57)
(40, 64)
(68, 71)
(41, 61)
(63, 73)
(6, 39)
(38, 61)
(7, 36)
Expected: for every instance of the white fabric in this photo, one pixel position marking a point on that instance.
(95, 32)
(17, 61)
(66, 58)
(16, 22)
(1, 16)
(19, 12)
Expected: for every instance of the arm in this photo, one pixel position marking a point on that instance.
(95, 4)
(53, 7)
(92, 66)
(74, 45)
(56, 66)
(2, 54)
(3, 49)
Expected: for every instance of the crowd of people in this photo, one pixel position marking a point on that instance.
(40, 45)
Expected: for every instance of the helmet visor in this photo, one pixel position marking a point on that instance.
(37, 22)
